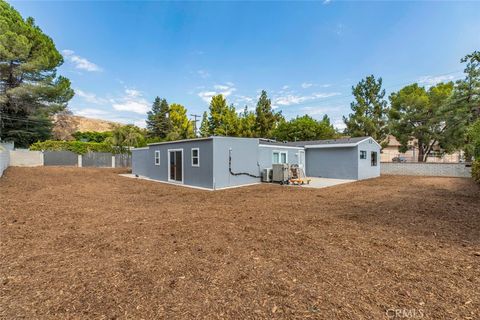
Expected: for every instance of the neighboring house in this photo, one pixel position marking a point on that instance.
(223, 162)
(411, 155)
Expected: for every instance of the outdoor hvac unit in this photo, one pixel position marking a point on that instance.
(267, 175)
(280, 173)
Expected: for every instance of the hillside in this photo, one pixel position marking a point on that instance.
(90, 124)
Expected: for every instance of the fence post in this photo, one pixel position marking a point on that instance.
(79, 160)
(113, 161)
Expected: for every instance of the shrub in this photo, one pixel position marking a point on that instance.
(77, 147)
(476, 170)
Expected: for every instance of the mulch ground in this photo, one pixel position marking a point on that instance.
(90, 244)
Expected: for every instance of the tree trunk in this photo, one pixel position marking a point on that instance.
(421, 152)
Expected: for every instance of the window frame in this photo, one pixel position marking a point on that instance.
(374, 159)
(197, 157)
(363, 152)
(157, 157)
(279, 156)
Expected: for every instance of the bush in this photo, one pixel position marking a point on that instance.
(476, 170)
(77, 147)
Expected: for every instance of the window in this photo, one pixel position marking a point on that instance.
(279, 157)
(157, 157)
(195, 157)
(363, 154)
(374, 159)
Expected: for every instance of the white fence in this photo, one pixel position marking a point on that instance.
(26, 158)
(426, 169)
(4, 159)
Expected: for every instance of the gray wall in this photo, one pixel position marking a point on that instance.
(60, 158)
(265, 155)
(244, 159)
(201, 176)
(139, 161)
(427, 169)
(365, 169)
(97, 159)
(337, 163)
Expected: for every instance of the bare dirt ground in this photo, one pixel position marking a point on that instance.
(89, 244)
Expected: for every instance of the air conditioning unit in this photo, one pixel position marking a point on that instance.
(267, 175)
(280, 173)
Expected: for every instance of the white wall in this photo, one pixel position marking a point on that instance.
(4, 159)
(26, 158)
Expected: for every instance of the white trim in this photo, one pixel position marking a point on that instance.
(278, 146)
(279, 156)
(341, 145)
(178, 141)
(130, 175)
(304, 164)
(168, 167)
(142, 148)
(155, 158)
(198, 157)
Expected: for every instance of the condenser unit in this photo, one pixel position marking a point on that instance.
(267, 175)
(280, 173)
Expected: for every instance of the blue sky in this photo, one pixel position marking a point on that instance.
(307, 55)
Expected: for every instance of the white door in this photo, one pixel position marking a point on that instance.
(301, 159)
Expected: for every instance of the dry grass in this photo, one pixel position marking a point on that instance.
(89, 244)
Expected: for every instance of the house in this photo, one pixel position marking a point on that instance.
(391, 151)
(224, 162)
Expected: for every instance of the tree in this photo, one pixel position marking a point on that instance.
(158, 121)
(369, 111)
(305, 128)
(247, 123)
(266, 120)
(30, 91)
(223, 119)
(419, 114)
(182, 128)
(204, 129)
(64, 125)
(124, 137)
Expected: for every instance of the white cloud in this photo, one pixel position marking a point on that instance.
(140, 123)
(132, 101)
(90, 113)
(306, 85)
(223, 89)
(285, 87)
(79, 62)
(326, 1)
(90, 97)
(433, 80)
(339, 124)
(291, 99)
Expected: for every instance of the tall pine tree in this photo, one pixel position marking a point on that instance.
(266, 119)
(204, 128)
(30, 91)
(369, 117)
(158, 121)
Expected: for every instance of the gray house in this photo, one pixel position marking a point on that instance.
(223, 162)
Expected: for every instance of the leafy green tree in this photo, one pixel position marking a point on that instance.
(473, 136)
(247, 123)
(305, 128)
(416, 113)
(204, 128)
(30, 91)
(158, 121)
(182, 128)
(124, 137)
(265, 118)
(223, 119)
(369, 117)
(91, 136)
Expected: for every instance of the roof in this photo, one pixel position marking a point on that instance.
(342, 142)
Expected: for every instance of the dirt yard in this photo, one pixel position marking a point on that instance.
(89, 244)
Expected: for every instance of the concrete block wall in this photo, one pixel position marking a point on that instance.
(426, 169)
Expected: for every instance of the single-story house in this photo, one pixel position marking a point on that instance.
(222, 162)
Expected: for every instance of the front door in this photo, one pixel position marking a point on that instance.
(175, 162)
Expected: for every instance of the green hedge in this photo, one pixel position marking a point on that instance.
(476, 170)
(77, 147)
